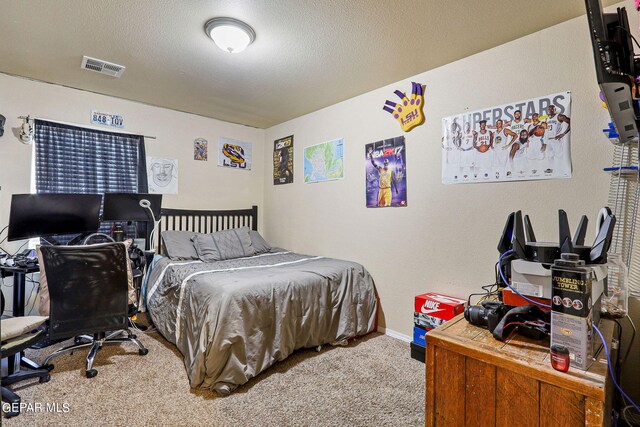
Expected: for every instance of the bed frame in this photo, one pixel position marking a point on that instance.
(205, 221)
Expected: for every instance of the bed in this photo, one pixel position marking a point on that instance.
(231, 319)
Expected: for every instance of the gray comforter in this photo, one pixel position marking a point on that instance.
(233, 319)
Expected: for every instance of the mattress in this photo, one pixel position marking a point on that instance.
(233, 319)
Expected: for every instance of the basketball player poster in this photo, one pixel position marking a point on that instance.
(386, 173)
(283, 160)
(524, 140)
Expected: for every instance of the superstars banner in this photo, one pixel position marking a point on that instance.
(386, 173)
(523, 140)
(283, 160)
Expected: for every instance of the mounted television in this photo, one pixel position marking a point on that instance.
(616, 67)
(41, 215)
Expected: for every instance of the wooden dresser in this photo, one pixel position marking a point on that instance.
(475, 380)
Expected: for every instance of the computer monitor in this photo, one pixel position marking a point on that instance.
(127, 207)
(38, 215)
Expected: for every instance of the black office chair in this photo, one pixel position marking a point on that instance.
(19, 333)
(88, 298)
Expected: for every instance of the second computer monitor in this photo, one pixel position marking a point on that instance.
(128, 207)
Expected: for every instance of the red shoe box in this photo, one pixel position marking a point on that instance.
(510, 298)
(432, 310)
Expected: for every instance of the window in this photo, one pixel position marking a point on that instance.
(70, 159)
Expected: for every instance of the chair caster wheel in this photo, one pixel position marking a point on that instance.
(143, 351)
(45, 379)
(49, 367)
(91, 373)
(134, 336)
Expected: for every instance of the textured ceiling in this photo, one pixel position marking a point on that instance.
(307, 54)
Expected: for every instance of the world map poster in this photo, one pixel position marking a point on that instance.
(324, 162)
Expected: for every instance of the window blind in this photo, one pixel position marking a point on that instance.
(71, 159)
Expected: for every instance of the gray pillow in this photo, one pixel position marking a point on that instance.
(260, 245)
(179, 246)
(226, 244)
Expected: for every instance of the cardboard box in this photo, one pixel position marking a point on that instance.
(534, 280)
(425, 321)
(419, 336)
(511, 298)
(575, 333)
(440, 306)
(418, 352)
(572, 312)
(432, 310)
(571, 292)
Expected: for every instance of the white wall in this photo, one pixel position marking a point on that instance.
(202, 185)
(445, 240)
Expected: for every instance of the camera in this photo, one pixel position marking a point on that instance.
(528, 320)
(488, 314)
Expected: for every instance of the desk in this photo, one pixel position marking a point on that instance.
(19, 278)
(475, 380)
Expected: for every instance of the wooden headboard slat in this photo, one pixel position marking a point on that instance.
(206, 221)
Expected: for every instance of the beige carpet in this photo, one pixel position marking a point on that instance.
(371, 382)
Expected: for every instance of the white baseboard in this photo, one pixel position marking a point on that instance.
(394, 334)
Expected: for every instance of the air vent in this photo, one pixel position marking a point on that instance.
(102, 67)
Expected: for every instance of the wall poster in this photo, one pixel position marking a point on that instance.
(234, 154)
(283, 160)
(386, 173)
(524, 140)
(162, 175)
(324, 162)
(200, 149)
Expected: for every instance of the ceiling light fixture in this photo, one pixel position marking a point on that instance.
(230, 35)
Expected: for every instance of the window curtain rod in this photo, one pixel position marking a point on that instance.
(84, 126)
